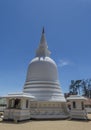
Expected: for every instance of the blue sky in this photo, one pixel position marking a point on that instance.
(68, 32)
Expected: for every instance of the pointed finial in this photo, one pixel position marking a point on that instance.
(42, 50)
(43, 31)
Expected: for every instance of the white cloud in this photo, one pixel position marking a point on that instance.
(63, 63)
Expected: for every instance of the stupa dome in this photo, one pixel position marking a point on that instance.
(42, 75)
(42, 69)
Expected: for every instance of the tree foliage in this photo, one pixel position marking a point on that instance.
(81, 87)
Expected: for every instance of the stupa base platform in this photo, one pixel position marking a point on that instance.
(53, 117)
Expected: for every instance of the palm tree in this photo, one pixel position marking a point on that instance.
(73, 88)
(86, 86)
(81, 87)
(78, 85)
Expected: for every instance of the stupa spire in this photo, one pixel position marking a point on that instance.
(43, 30)
(42, 50)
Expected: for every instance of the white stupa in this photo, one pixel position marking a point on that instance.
(42, 97)
(42, 75)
